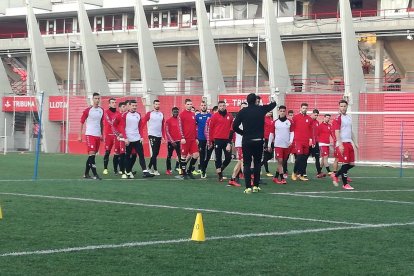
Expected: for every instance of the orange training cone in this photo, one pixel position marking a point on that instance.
(198, 230)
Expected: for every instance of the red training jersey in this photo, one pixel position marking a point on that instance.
(220, 126)
(268, 127)
(172, 130)
(325, 131)
(187, 125)
(302, 127)
(109, 118)
(315, 131)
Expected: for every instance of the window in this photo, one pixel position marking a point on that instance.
(240, 11)
(186, 17)
(286, 8)
(164, 19)
(356, 4)
(174, 18)
(254, 11)
(221, 12)
(131, 18)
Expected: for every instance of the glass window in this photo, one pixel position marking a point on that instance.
(156, 19)
(286, 8)
(240, 11)
(148, 17)
(194, 17)
(68, 25)
(356, 4)
(186, 17)
(60, 26)
(131, 23)
(118, 22)
(42, 26)
(50, 26)
(254, 11)
(108, 22)
(99, 23)
(173, 18)
(164, 19)
(220, 12)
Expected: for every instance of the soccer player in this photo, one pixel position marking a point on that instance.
(221, 133)
(120, 140)
(188, 132)
(314, 148)
(172, 133)
(210, 147)
(324, 135)
(252, 119)
(132, 131)
(238, 146)
(345, 151)
(291, 149)
(155, 123)
(93, 118)
(110, 136)
(267, 155)
(201, 120)
(302, 126)
(281, 136)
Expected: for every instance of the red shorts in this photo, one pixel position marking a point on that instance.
(110, 141)
(119, 146)
(348, 156)
(282, 153)
(324, 150)
(189, 147)
(93, 143)
(239, 153)
(291, 149)
(301, 147)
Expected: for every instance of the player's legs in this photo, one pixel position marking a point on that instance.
(170, 150)
(155, 143)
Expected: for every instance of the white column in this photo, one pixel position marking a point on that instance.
(240, 67)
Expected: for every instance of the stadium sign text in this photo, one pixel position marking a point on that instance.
(19, 104)
(233, 101)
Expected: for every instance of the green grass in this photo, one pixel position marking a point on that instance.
(40, 223)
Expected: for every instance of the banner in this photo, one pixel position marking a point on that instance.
(57, 108)
(19, 104)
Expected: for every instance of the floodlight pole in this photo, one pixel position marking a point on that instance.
(39, 136)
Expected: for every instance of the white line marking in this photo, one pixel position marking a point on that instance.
(346, 198)
(183, 208)
(354, 191)
(94, 181)
(239, 236)
(344, 192)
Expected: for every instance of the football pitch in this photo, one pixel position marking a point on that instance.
(62, 224)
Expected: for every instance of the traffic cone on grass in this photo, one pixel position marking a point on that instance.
(198, 230)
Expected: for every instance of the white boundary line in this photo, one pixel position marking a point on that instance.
(239, 236)
(345, 198)
(183, 208)
(351, 192)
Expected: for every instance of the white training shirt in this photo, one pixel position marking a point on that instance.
(155, 123)
(239, 138)
(132, 126)
(283, 134)
(93, 116)
(346, 128)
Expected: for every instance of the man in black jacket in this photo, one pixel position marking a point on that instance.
(252, 120)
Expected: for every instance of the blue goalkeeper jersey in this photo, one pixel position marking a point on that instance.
(201, 120)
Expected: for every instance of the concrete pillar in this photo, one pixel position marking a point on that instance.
(75, 72)
(126, 71)
(150, 70)
(353, 76)
(45, 82)
(180, 69)
(240, 67)
(95, 77)
(279, 79)
(5, 89)
(306, 61)
(213, 82)
(379, 65)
